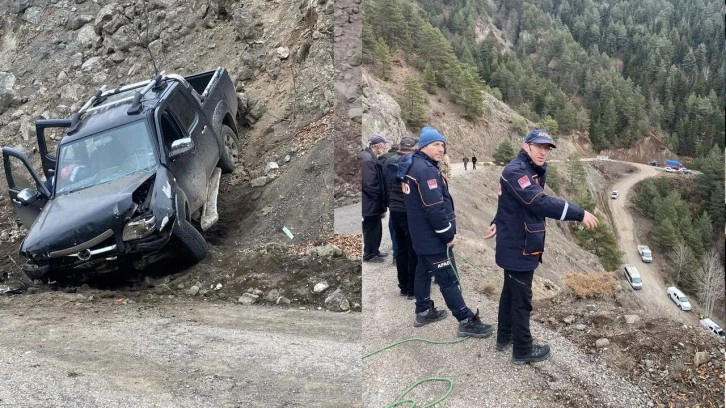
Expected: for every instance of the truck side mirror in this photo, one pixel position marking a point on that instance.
(27, 196)
(180, 147)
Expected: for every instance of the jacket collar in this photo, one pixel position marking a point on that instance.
(423, 155)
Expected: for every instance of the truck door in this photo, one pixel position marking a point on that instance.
(43, 129)
(188, 168)
(27, 192)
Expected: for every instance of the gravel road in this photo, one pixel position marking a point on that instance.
(652, 296)
(348, 219)
(57, 350)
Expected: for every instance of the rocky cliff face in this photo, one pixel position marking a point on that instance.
(55, 53)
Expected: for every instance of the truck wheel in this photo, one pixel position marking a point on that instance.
(231, 149)
(191, 243)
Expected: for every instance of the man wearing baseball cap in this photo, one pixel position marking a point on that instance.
(432, 225)
(519, 225)
(374, 199)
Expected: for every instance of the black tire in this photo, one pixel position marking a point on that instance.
(230, 151)
(190, 242)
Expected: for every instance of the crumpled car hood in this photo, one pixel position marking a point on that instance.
(75, 218)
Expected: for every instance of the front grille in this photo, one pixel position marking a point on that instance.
(97, 241)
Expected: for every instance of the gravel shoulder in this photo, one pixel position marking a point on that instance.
(64, 353)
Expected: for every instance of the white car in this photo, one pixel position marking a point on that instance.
(713, 328)
(614, 194)
(678, 298)
(670, 170)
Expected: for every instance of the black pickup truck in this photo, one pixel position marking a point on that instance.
(137, 166)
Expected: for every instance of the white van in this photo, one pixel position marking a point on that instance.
(713, 328)
(678, 298)
(633, 276)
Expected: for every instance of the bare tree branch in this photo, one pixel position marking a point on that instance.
(711, 281)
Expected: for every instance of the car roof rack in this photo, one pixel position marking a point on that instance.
(102, 94)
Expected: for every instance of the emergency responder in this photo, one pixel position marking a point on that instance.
(519, 225)
(406, 255)
(432, 225)
(374, 200)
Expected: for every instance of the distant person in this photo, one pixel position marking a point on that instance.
(373, 198)
(406, 256)
(466, 161)
(473, 162)
(432, 225)
(519, 225)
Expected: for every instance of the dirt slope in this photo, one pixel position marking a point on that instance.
(280, 57)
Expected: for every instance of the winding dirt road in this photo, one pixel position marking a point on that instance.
(652, 297)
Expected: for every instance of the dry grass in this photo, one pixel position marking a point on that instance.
(591, 285)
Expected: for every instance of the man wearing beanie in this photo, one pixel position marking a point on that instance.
(432, 225)
(519, 225)
(373, 198)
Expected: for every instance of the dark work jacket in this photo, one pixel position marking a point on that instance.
(396, 202)
(373, 189)
(521, 211)
(429, 206)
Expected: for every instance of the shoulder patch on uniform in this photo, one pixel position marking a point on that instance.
(524, 182)
(432, 184)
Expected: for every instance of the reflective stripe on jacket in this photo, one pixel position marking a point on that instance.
(521, 212)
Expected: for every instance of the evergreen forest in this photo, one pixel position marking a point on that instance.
(619, 70)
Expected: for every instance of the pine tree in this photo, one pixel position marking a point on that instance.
(429, 79)
(504, 153)
(471, 93)
(382, 59)
(553, 178)
(413, 102)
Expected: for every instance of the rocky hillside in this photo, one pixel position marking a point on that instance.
(54, 54)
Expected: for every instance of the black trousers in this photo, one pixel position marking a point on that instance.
(515, 306)
(442, 269)
(372, 234)
(406, 259)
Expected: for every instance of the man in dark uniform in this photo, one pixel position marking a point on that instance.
(374, 200)
(406, 255)
(473, 162)
(432, 225)
(519, 225)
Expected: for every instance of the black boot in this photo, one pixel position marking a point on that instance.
(430, 316)
(538, 352)
(474, 327)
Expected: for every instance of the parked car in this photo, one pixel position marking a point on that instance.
(678, 298)
(645, 254)
(684, 170)
(653, 162)
(615, 194)
(712, 327)
(633, 276)
(670, 170)
(136, 166)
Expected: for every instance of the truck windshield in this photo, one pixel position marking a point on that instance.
(636, 280)
(104, 157)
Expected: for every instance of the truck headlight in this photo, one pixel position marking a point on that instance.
(139, 228)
